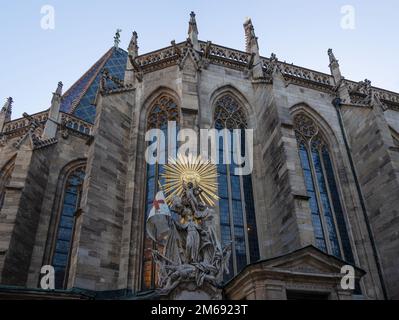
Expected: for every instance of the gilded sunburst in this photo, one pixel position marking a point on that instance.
(202, 173)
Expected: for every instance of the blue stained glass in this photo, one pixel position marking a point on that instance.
(158, 118)
(60, 259)
(251, 219)
(224, 157)
(228, 114)
(224, 212)
(69, 210)
(161, 169)
(226, 234)
(71, 189)
(303, 153)
(326, 204)
(150, 170)
(222, 186)
(222, 168)
(339, 216)
(235, 187)
(62, 246)
(316, 219)
(150, 189)
(237, 213)
(70, 198)
(66, 224)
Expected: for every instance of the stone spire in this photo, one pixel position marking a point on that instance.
(7, 108)
(5, 113)
(342, 90)
(251, 46)
(334, 67)
(50, 129)
(193, 31)
(251, 41)
(131, 71)
(133, 48)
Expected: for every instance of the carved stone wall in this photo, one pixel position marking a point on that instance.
(377, 168)
(108, 247)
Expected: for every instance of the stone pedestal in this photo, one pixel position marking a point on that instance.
(190, 291)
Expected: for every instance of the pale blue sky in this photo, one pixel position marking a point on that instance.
(33, 60)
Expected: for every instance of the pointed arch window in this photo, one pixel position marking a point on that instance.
(236, 204)
(5, 178)
(328, 219)
(164, 109)
(70, 203)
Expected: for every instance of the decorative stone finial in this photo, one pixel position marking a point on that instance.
(5, 113)
(59, 89)
(251, 41)
(193, 31)
(133, 48)
(117, 38)
(7, 108)
(7, 105)
(334, 67)
(251, 47)
(51, 126)
(331, 56)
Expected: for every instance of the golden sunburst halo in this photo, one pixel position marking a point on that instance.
(202, 173)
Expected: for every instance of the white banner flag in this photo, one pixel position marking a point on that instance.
(158, 219)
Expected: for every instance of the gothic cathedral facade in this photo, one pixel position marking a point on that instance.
(75, 188)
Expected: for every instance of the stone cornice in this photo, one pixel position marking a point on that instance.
(240, 60)
(234, 59)
(20, 127)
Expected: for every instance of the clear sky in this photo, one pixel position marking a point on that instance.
(33, 60)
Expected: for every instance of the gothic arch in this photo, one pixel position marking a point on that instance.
(239, 97)
(328, 135)
(325, 129)
(76, 167)
(236, 204)
(151, 98)
(161, 106)
(5, 177)
(316, 148)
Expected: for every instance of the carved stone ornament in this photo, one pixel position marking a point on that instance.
(305, 126)
(192, 262)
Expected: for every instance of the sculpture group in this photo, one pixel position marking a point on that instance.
(191, 251)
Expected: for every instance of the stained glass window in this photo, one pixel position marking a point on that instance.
(236, 204)
(5, 177)
(163, 110)
(328, 220)
(70, 204)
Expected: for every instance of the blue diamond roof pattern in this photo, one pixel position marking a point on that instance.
(79, 99)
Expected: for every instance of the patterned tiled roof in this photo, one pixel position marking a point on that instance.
(78, 100)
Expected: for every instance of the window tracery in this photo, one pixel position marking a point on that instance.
(163, 109)
(236, 204)
(325, 204)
